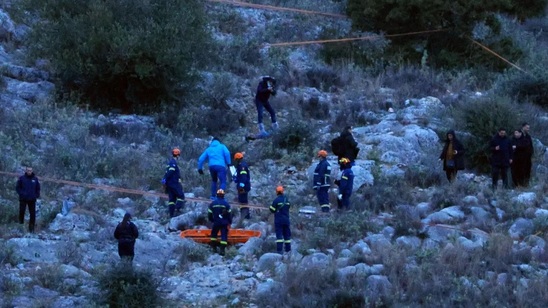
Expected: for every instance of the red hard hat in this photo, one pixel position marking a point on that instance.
(280, 189)
(322, 153)
(238, 155)
(176, 152)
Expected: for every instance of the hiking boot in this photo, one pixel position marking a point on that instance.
(262, 131)
(275, 126)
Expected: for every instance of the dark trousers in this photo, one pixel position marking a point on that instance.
(503, 172)
(323, 198)
(224, 234)
(344, 203)
(518, 174)
(176, 199)
(451, 174)
(218, 173)
(527, 168)
(32, 212)
(265, 105)
(126, 250)
(283, 237)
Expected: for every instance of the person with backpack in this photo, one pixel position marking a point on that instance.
(345, 146)
(172, 183)
(126, 233)
(280, 207)
(322, 181)
(265, 89)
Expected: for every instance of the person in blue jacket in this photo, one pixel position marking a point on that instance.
(346, 184)
(280, 207)
(172, 182)
(322, 181)
(220, 214)
(265, 89)
(501, 158)
(28, 189)
(242, 179)
(218, 158)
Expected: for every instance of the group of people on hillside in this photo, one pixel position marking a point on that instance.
(514, 153)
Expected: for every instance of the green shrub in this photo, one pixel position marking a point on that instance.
(120, 54)
(314, 109)
(122, 286)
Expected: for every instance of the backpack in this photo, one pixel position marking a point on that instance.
(337, 146)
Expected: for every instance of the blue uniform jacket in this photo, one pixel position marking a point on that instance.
(243, 176)
(280, 207)
(219, 212)
(28, 187)
(217, 155)
(322, 174)
(347, 182)
(172, 174)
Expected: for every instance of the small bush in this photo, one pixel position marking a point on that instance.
(122, 286)
(313, 108)
(192, 253)
(49, 276)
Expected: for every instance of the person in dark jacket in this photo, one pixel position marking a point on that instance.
(220, 214)
(520, 157)
(529, 152)
(346, 184)
(452, 156)
(218, 158)
(501, 157)
(349, 145)
(265, 89)
(126, 233)
(242, 179)
(280, 207)
(172, 182)
(28, 189)
(322, 181)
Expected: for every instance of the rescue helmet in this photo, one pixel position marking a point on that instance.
(322, 153)
(220, 193)
(176, 152)
(239, 155)
(279, 189)
(344, 161)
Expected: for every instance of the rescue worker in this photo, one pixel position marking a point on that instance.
(126, 233)
(322, 181)
(218, 158)
(346, 184)
(220, 214)
(265, 88)
(280, 207)
(242, 179)
(28, 189)
(172, 182)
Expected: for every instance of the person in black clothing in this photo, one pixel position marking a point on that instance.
(452, 156)
(501, 157)
(265, 89)
(126, 233)
(520, 156)
(529, 151)
(349, 145)
(28, 189)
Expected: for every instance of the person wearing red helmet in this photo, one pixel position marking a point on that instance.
(220, 214)
(322, 181)
(242, 179)
(172, 182)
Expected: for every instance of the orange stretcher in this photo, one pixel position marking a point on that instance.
(235, 236)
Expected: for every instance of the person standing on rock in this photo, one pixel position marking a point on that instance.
(28, 189)
(530, 150)
(218, 158)
(520, 157)
(501, 158)
(452, 156)
(172, 182)
(126, 233)
(346, 184)
(322, 181)
(220, 214)
(265, 89)
(242, 179)
(280, 207)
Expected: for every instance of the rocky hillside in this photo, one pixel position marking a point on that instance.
(411, 239)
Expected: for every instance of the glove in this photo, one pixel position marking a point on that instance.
(163, 181)
(242, 185)
(339, 196)
(200, 171)
(315, 187)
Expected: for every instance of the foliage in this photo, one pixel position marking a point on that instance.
(119, 54)
(314, 109)
(456, 20)
(481, 118)
(122, 286)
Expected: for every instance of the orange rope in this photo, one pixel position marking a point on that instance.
(497, 55)
(276, 8)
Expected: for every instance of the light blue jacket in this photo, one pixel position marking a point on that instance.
(217, 155)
